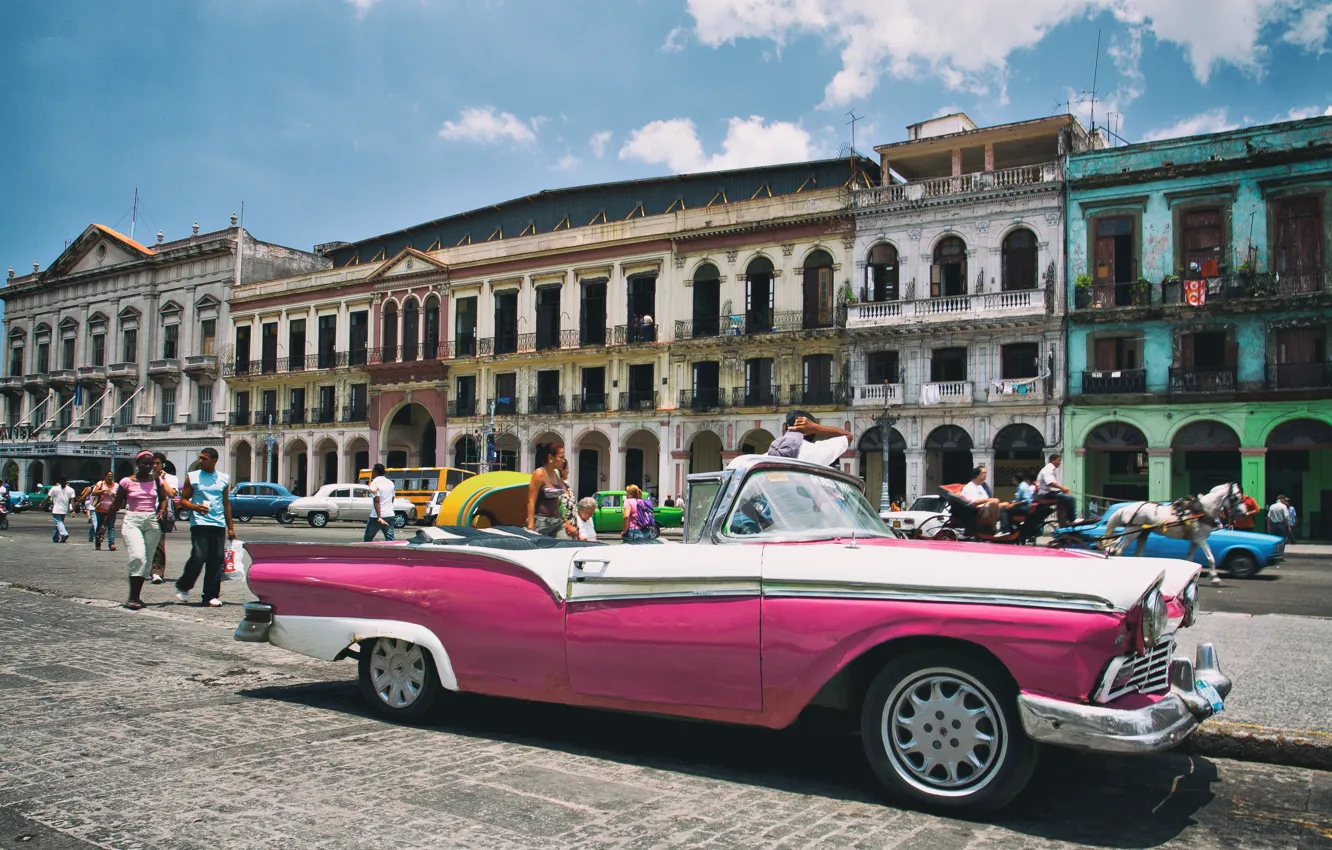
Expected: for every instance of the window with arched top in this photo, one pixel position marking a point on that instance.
(882, 274)
(760, 295)
(411, 329)
(707, 303)
(1018, 269)
(431, 344)
(818, 290)
(389, 341)
(948, 275)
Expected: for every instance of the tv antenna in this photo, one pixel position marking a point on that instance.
(1096, 71)
(852, 122)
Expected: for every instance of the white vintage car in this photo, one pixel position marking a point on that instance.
(927, 516)
(348, 503)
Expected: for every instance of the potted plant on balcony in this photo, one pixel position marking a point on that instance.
(1244, 278)
(1170, 293)
(1082, 291)
(1141, 292)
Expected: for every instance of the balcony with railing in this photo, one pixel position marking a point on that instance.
(636, 399)
(1202, 380)
(502, 406)
(320, 416)
(756, 396)
(293, 416)
(545, 405)
(388, 364)
(835, 394)
(123, 374)
(357, 358)
(200, 367)
(36, 382)
(165, 371)
(1114, 381)
(876, 395)
(239, 418)
(703, 400)
(11, 385)
(463, 408)
(947, 393)
(1300, 376)
(353, 413)
(937, 189)
(1016, 391)
(637, 334)
(1239, 287)
(91, 376)
(590, 403)
(953, 308)
(63, 379)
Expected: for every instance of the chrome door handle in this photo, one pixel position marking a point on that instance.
(580, 568)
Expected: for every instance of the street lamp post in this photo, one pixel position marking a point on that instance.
(270, 440)
(885, 421)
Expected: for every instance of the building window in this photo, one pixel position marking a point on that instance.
(464, 327)
(67, 353)
(268, 348)
(93, 417)
(760, 296)
(411, 329)
(170, 341)
(642, 393)
(592, 313)
(296, 344)
(1019, 360)
(464, 396)
(43, 357)
(547, 317)
(1301, 358)
(642, 319)
(208, 331)
(359, 337)
(1117, 353)
(16, 360)
(948, 364)
(295, 414)
(242, 350)
(707, 386)
(360, 405)
(432, 328)
(129, 347)
(270, 411)
(1299, 244)
(1116, 263)
(948, 275)
(168, 410)
(818, 290)
(882, 274)
(14, 408)
(328, 332)
(818, 387)
(389, 340)
(707, 302)
(506, 387)
(327, 401)
(1201, 231)
(506, 322)
(882, 367)
(124, 408)
(99, 350)
(759, 383)
(204, 393)
(1018, 269)
(594, 390)
(548, 400)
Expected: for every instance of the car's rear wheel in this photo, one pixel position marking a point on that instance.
(245, 518)
(286, 517)
(1241, 565)
(398, 679)
(940, 727)
(318, 519)
(400, 520)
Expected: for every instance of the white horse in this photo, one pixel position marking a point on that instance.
(1188, 519)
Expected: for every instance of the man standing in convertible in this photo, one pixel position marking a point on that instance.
(803, 438)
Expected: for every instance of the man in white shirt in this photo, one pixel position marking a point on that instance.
(990, 508)
(1278, 518)
(805, 439)
(382, 492)
(1049, 485)
(62, 498)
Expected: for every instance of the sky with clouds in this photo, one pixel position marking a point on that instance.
(342, 119)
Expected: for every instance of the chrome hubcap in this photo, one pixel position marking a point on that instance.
(397, 671)
(944, 732)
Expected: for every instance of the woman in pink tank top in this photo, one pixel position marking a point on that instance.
(144, 504)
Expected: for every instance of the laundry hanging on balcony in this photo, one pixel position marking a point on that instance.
(1195, 292)
(1015, 387)
(929, 394)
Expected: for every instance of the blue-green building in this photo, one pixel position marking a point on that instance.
(1200, 301)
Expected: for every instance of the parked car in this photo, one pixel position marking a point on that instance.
(262, 499)
(347, 503)
(957, 660)
(928, 514)
(609, 517)
(432, 507)
(1243, 554)
(19, 501)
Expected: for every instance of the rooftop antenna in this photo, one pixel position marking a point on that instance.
(135, 214)
(1096, 70)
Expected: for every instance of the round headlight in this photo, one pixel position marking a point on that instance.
(1155, 617)
(1190, 600)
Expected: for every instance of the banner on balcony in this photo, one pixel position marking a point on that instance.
(1195, 292)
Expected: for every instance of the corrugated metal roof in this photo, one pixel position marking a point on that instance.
(581, 206)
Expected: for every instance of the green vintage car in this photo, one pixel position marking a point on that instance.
(609, 517)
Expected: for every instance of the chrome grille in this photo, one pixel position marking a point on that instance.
(1149, 674)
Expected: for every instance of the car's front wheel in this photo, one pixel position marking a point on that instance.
(286, 517)
(940, 727)
(245, 518)
(400, 520)
(1241, 565)
(318, 519)
(398, 679)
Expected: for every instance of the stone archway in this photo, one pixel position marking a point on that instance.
(409, 439)
(755, 442)
(355, 457)
(1115, 464)
(296, 466)
(642, 460)
(242, 456)
(948, 457)
(10, 474)
(1018, 449)
(590, 463)
(325, 470)
(1299, 465)
(466, 453)
(705, 452)
(1203, 454)
(870, 450)
(36, 473)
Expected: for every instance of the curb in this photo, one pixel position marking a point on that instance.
(1247, 742)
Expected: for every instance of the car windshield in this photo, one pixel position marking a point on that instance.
(794, 503)
(932, 504)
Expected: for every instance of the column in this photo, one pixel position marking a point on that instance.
(1253, 473)
(915, 475)
(616, 459)
(1158, 474)
(957, 162)
(989, 156)
(665, 481)
(1075, 475)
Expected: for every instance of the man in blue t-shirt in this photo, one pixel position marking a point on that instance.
(205, 494)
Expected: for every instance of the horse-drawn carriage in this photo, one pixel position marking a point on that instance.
(1026, 522)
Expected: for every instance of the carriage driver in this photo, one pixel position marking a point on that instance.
(989, 507)
(1049, 485)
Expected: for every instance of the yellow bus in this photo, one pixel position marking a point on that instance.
(419, 484)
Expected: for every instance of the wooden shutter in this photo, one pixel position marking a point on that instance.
(936, 274)
(1105, 259)
(811, 295)
(1186, 352)
(1105, 354)
(1232, 353)
(1296, 345)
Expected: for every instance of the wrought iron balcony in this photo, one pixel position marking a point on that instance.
(709, 400)
(638, 334)
(358, 357)
(461, 347)
(944, 188)
(294, 416)
(814, 395)
(238, 418)
(355, 413)
(638, 400)
(543, 405)
(320, 416)
(756, 396)
(330, 359)
(383, 354)
(1202, 380)
(501, 406)
(1239, 287)
(594, 337)
(590, 403)
(241, 367)
(552, 339)
(1114, 382)
(462, 408)
(876, 395)
(1109, 296)
(1300, 376)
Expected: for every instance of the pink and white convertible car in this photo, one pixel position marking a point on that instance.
(958, 659)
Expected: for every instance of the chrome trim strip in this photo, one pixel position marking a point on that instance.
(603, 579)
(669, 594)
(855, 590)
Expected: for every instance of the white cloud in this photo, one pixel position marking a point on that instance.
(598, 143)
(1310, 28)
(749, 142)
(946, 110)
(489, 127)
(1211, 121)
(362, 6)
(1299, 113)
(967, 43)
(676, 40)
(568, 162)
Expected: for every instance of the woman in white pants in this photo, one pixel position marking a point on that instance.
(145, 503)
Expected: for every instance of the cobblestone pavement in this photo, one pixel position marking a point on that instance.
(156, 729)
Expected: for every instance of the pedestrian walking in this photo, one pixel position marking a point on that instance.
(1243, 521)
(62, 502)
(86, 503)
(382, 492)
(1292, 519)
(1278, 518)
(545, 515)
(104, 496)
(639, 521)
(586, 530)
(145, 504)
(171, 484)
(204, 494)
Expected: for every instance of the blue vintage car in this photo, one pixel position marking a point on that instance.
(251, 499)
(1240, 553)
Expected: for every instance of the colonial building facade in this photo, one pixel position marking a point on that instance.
(114, 347)
(1198, 273)
(957, 332)
(653, 328)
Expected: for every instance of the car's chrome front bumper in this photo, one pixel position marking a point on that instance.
(1151, 729)
(258, 620)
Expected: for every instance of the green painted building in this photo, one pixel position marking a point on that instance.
(1200, 304)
